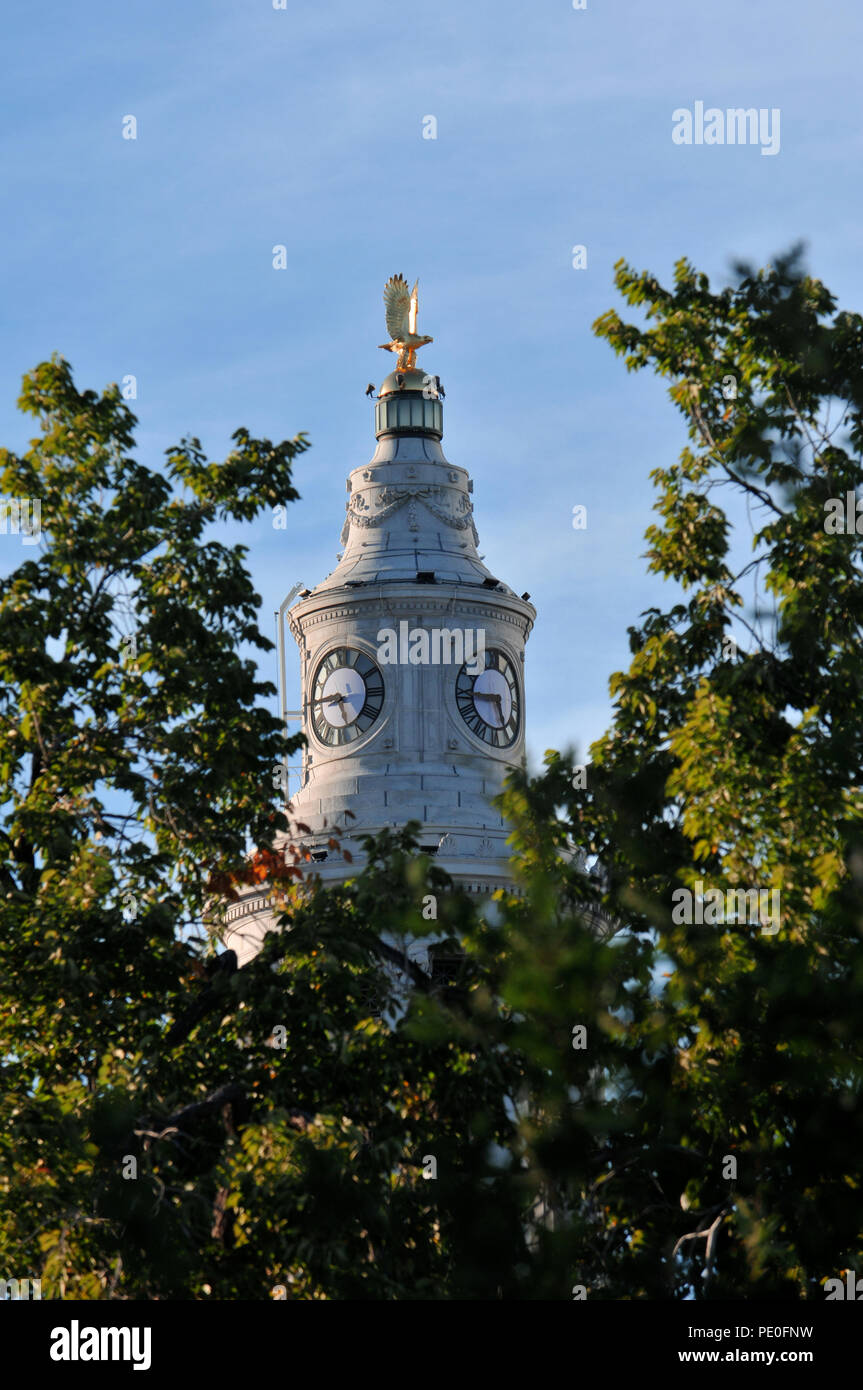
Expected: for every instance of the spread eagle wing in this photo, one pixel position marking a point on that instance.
(397, 300)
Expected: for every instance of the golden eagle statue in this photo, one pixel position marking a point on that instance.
(401, 309)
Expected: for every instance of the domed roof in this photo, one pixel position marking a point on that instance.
(411, 379)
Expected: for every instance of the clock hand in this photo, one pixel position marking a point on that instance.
(490, 695)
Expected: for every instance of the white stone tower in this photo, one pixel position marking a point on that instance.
(412, 662)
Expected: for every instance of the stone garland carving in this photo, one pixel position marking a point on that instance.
(391, 499)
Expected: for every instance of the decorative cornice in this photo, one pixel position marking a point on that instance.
(442, 603)
(246, 907)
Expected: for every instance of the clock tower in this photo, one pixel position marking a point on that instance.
(412, 656)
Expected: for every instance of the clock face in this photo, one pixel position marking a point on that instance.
(489, 703)
(347, 696)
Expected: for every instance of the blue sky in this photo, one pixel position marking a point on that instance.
(303, 127)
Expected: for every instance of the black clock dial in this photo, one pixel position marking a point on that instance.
(347, 696)
(489, 703)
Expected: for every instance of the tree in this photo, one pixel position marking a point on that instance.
(135, 756)
(726, 1162)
